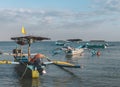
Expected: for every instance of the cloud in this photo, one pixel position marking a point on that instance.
(111, 5)
(64, 24)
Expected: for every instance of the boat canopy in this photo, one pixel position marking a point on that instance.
(23, 40)
(74, 40)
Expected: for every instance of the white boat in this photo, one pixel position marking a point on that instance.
(60, 42)
(74, 51)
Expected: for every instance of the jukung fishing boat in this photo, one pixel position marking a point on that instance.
(26, 67)
(60, 42)
(96, 44)
(69, 51)
(90, 46)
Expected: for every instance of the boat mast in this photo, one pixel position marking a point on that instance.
(29, 51)
(29, 44)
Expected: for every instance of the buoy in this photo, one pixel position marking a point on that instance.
(98, 53)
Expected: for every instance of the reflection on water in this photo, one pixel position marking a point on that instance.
(73, 59)
(68, 71)
(73, 56)
(30, 83)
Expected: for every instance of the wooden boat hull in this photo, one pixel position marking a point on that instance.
(24, 71)
(20, 69)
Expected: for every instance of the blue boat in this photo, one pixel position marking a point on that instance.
(90, 46)
(96, 44)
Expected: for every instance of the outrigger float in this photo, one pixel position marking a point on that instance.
(28, 67)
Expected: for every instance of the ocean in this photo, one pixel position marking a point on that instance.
(96, 71)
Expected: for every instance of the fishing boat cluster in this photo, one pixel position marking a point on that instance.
(33, 67)
(92, 45)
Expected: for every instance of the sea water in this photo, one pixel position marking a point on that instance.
(97, 71)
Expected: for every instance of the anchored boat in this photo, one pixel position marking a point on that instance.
(25, 67)
(96, 44)
(90, 46)
(60, 42)
(69, 51)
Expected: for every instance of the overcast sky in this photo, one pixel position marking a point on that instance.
(61, 19)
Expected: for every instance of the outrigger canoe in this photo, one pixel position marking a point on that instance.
(70, 51)
(25, 68)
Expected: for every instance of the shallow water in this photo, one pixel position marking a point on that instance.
(97, 71)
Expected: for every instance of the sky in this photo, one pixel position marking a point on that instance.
(61, 19)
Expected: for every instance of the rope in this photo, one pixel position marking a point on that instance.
(18, 61)
(24, 73)
(25, 68)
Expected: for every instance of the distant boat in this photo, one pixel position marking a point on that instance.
(74, 40)
(60, 42)
(73, 51)
(96, 44)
